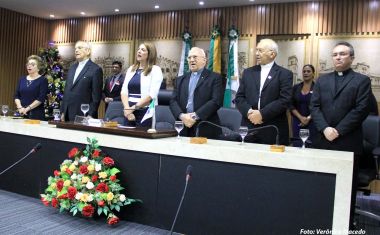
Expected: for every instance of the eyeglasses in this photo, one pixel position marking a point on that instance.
(194, 57)
(31, 64)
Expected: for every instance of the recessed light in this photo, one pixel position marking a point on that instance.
(156, 7)
(251, 0)
(201, 3)
(117, 10)
(83, 13)
(52, 16)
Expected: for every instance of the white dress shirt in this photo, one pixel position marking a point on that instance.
(263, 76)
(79, 69)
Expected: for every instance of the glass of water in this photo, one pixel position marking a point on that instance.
(178, 125)
(304, 135)
(84, 108)
(56, 114)
(4, 109)
(243, 132)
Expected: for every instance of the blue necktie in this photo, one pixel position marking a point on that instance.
(190, 100)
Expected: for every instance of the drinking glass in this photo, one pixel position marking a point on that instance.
(243, 132)
(178, 125)
(304, 135)
(56, 114)
(84, 108)
(4, 109)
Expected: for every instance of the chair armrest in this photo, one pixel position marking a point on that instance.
(376, 154)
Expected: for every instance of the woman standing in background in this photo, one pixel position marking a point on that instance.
(31, 90)
(299, 106)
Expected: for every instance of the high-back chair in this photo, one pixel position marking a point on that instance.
(231, 119)
(114, 112)
(369, 166)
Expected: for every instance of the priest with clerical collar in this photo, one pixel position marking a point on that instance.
(339, 105)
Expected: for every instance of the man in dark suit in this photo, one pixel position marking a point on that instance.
(339, 105)
(264, 94)
(197, 96)
(83, 85)
(113, 84)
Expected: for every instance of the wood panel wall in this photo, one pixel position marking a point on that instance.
(20, 36)
(315, 17)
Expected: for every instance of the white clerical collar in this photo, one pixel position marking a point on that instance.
(267, 66)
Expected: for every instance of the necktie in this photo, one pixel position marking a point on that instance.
(192, 85)
(112, 82)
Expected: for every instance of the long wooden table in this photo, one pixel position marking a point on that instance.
(235, 189)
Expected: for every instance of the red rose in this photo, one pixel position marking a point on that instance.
(63, 196)
(83, 169)
(44, 201)
(88, 211)
(68, 171)
(54, 202)
(113, 177)
(57, 173)
(102, 187)
(94, 178)
(96, 153)
(71, 191)
(101, 203)
(60, 185)
(73, 152)
(113, 220)
(108, 161)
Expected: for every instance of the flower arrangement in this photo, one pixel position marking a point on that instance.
(87, 183)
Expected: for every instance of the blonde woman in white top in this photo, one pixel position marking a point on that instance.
(142, 83)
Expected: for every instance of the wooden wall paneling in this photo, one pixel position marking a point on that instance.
(365, 16)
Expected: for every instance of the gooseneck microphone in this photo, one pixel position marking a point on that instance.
(33, 150)
(189, 171)
(253, 131)
(227, 130)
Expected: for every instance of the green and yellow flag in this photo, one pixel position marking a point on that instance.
(215, 57)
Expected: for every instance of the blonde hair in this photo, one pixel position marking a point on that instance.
(40, 63)
(151, 60)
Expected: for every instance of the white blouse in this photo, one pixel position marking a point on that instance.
(150, 84)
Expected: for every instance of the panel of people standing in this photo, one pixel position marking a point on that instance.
(332, 108)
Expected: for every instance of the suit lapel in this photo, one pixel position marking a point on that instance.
(81, 74)
(346, 80)
(257, 78)
(202, 78)
(185, 85)
(272, 74)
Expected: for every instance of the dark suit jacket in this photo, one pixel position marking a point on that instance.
(275, 98)
(87, 89)
(116, 89)
(345, 110)
(208, 98)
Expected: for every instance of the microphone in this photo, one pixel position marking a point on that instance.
(227, 130)
(254, 131)
(189, 170)
(33, 150)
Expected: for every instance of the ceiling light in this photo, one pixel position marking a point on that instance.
(83, 13)
(251, 0)
(117, 10)
(201, 3)
(52, 16)
(156, 6)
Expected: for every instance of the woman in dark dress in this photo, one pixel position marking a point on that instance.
(299, 106)
(32, 90)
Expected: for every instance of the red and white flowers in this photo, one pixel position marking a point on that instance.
(87, 183)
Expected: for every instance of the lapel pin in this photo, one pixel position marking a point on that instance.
(269, 77)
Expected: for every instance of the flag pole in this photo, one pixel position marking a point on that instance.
(153, 128)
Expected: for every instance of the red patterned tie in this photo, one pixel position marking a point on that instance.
(111, 82)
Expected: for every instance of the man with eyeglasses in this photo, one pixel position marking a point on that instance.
(339, 105)
(197, 96)
(84, 85)
(113, 84)
(264, 95)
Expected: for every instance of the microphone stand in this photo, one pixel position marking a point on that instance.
(212, 124)
(34, 149)
(255, 129)
(188, 176)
